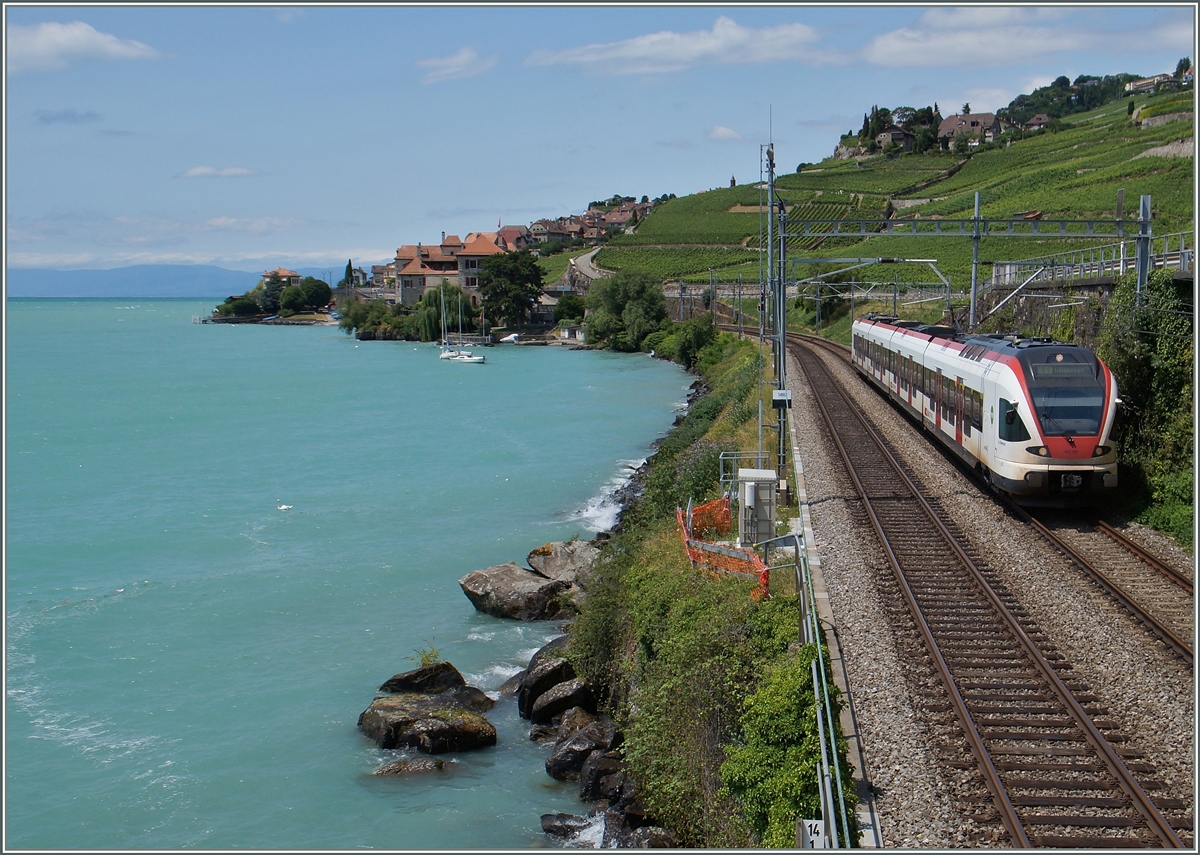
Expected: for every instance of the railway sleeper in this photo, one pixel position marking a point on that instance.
(1026, 766)
(1054, 841)
(1066, 784)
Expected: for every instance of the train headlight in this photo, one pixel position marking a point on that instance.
(1101, 450)
(1039, 450)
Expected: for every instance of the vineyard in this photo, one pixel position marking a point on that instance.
(672, 262)
(1071, 174)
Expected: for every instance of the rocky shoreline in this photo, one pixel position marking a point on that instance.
(432, 709)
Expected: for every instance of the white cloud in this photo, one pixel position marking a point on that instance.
(257, 225)
(214, 172)
(53, 46)
(723, 134)
(465, 63)
(727, 43)
(988, 99)
(982, 46)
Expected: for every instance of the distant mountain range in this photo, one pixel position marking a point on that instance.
(143, 280)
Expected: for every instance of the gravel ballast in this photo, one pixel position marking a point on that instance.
(1145, 688)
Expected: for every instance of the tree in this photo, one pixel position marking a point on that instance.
(291, 299)
(570, 307)
(962, 142)
(316, 293)
(510, 285)
(349, 277)
(966, 109)
(1181, 67)
(241, 307)
(623, 310)
(268, 298)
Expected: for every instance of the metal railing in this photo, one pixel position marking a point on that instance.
(829, 767)
(731, 461)
(1175, 251)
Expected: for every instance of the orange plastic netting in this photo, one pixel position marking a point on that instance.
(715, 517)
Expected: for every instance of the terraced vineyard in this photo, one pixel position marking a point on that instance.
(1072, 174)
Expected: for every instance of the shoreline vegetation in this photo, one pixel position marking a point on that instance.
(680, 702)
(707, 684)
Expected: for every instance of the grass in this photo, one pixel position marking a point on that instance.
(554, 266)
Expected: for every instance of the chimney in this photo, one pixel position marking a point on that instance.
(443, 237)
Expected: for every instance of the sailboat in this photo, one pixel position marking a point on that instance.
(464, 355)
(447, 351)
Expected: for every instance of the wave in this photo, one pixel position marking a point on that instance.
(601, 512)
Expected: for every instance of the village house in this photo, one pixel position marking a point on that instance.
(383, 275)
(893, 134)
(287, 277)
(980, 127)
(1149, 84)
(1038, 122)
(420, 268)
(515, 238)
(423, 268)
(480, 246)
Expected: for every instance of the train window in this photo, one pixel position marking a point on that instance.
(1012, 428)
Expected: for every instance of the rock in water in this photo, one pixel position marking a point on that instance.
(408, 767)
(539, 679)
(428, 679)
(560, 698)
(566, 761)
(563, 824)
(571, 561)
(511, 591)
(433, 724)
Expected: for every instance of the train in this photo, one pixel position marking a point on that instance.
(1032, 416)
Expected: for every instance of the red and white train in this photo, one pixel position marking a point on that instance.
(1033, 416)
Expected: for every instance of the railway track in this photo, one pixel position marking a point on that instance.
(1157, 596)
(1055, 774)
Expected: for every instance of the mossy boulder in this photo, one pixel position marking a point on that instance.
(432, 724)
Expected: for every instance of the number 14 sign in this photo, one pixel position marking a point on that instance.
(812, 834)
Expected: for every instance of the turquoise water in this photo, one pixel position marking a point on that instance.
(186, 663)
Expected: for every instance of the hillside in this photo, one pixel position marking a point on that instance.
(1073, 173)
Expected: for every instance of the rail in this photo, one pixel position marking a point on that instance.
(891, 516)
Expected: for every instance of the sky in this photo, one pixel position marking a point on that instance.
(303, 136)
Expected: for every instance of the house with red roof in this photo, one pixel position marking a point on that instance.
(287, 277)
(480, 246)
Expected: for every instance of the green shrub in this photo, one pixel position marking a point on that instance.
(772, 772)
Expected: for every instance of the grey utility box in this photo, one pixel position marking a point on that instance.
(756, 505)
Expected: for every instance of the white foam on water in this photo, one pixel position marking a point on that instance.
(600, 513)
(589, 837)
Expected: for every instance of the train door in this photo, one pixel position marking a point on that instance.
(958, 410)
(937, 404)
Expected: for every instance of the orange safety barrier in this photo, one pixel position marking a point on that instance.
(712, 516)
(717, 557)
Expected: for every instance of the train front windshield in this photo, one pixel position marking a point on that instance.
(1068, 395)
